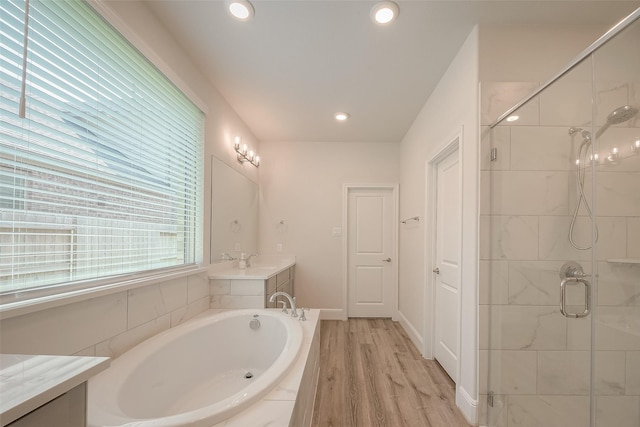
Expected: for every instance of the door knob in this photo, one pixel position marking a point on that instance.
(387, 260)
(436, 270)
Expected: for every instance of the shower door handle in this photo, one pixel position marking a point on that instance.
(563, 297)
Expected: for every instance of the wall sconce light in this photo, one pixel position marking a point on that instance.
(635, 147)
(244, 154)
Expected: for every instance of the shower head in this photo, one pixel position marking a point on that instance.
(617, 116)
(622, 114)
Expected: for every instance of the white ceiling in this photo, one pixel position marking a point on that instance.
(297, 62)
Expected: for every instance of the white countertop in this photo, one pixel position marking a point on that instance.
(261, 268)
(29, 381)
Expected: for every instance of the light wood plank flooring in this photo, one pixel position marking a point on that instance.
(371, 375)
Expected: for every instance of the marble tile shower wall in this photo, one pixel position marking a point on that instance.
(536, 361)
(108, 325)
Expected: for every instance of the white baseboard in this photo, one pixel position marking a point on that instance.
(467, 405)
(332, 314)
(411, 331)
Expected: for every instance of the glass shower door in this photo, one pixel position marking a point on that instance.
(538, 361)
(616, 333)
(560, 259)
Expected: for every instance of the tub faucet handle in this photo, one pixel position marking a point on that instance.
(284, 306)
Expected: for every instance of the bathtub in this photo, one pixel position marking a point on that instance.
(197, 374)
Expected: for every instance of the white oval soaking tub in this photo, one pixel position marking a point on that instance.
(196, 374)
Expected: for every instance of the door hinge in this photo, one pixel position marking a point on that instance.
(490, 399)
(494, 154)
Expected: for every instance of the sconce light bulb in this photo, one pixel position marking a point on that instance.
(251, 154)
(614, 150)
(237, 141)
(636, 146)
(257, 161)
(244, 149)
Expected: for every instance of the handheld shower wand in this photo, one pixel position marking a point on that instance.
(617, 116)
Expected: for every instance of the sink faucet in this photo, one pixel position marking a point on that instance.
(292, 301)
(224, 256)
(248, 260)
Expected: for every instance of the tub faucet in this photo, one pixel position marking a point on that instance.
(292, 301)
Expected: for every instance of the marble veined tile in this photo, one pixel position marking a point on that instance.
(529, 193)
(568, 372)
(497, 97)
(564, 372)
(220, 287)
(618, 284)
(509, 372)
(494, 282)
(618, 193)
(183, 314)
(633, 240)
(548, 411)
(555, 245)
(84, 323)
(534, 282)
(275, 413)
(539, 148)
(618, 328)
(527, 328)
(633, 373)
(618, 411)
(119, 344)
(511, 237)
(197, 287)
(150, 302)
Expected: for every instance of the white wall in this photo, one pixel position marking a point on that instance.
(301, 183)
(451, 107)
(109, 325)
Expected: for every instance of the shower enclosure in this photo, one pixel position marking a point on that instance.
(560, 311)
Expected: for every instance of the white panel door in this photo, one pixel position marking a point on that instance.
(371, 278)
(447, 272)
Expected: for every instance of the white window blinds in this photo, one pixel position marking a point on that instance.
(103, 176)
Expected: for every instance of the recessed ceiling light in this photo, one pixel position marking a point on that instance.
(341, 117)
(242, 10)
(384, 12)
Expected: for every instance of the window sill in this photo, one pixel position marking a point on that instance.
(18, 308)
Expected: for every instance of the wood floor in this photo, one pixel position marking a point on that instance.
(371, 375)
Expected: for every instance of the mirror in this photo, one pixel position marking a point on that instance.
(234, 212)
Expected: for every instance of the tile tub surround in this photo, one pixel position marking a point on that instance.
(107, 325)
(30, 381)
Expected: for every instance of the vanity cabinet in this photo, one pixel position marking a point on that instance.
(66, 410)
(281, 282)
(43, 390)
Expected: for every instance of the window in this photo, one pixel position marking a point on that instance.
(103, 176)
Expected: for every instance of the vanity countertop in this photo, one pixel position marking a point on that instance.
(262, 268)
(29, 381)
